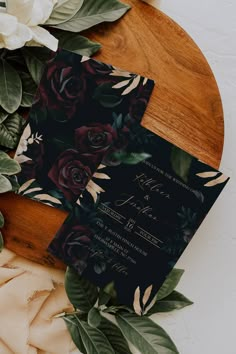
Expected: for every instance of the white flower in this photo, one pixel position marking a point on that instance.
(19, 24)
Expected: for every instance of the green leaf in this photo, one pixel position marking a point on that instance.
(73, 328)
(3, 115)
(115, 336)
(81, 293)
(94, 341)
(174, 301)
(28, 90)
(76, 43)
(115, 309)
(5, 185)
(10, 131)
(131, 158)
(9, 166)
(64, 11)
(35, 59)
(10, 88)
(170, 283)
(94, 12)
(145, 335)
(94, 317)
(1, 242)
(103, 298)
(1, 220)
(181, 163)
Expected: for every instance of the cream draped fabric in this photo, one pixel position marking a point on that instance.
(31, 296)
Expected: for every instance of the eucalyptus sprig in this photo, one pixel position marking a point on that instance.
(97, 326)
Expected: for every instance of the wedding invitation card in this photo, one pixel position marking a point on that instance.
(137, 214)
(74, 120)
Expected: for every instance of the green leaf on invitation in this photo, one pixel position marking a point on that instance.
(10, 88)
(29, 89)
(73, 328)
(94, 12)
(174, 301)
(64, 11)
(170, 283)
(131, 158)
(76, 43)
(145, 335)
(115, 336)
(181, 163)
(10, 130)
(81, 293)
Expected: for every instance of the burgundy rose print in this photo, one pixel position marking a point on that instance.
(71, 173)
(67, 88)
(95, 138)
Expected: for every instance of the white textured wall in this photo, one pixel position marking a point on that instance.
(209, 326)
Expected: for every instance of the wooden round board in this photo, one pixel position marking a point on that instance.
(185, 108)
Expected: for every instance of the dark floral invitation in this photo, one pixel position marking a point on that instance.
(137, 215)
(82, 106)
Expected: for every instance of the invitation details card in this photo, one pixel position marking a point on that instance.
(137, 215)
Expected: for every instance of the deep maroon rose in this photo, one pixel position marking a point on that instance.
(76, 245)
(70, 173)
(67, 88)
(95, 138)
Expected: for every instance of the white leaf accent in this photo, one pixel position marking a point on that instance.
(121, 84)
(27, 132)
(216, 181)
(93, 193)
(31, 190)
(101, 166)
(22, 158)
(25, 185)
(207, 174)
(147, 294)
(101, 175)
(145, 81)
(48, 198)
(84, 58)
(120, 72)
(132, 86)
(150, 305)
(136, 303)
(95, 187)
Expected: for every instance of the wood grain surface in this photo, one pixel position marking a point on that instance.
(185, 109)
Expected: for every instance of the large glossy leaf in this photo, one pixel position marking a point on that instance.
(35, 59)
(94, 12)
(10, 88)
(5, 185)
(170, 283)
(9, 166)
(174, 301)
(94, 341)
(10, 131)
(81, 293)
(64, 11)
(28, 89)
(3, 115)
(181, 163)
(76, 43)
(73, 328)
(145, 335)
(94, 317)
(1, 242)
(115, 336)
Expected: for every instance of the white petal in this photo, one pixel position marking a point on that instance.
(8, 24)
(18, 38)
(41, 11)
(22, 9)
(42, 36)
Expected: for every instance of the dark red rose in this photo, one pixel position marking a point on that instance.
(95, 138)
(76, 245)
(67, 88)
(70, 174)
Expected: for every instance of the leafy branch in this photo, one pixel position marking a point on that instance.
(99, 326)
